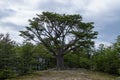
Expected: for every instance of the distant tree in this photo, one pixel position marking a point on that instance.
(25, 58)
(7, 57)
(107, 59)
(43, 57)
(60, 33)
(116, 45)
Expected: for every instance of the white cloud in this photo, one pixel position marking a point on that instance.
(106, 44)
(100, 7)
(13, 33)
(21, 17)
(99, 11)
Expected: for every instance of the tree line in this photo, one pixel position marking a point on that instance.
(62, 42)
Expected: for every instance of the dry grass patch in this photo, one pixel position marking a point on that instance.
(81, 74)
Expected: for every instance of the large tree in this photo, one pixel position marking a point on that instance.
(60, 33)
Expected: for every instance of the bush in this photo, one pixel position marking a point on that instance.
(71, 61)
(77, 61)
(4, 74)
(107, 61)
(85, 63)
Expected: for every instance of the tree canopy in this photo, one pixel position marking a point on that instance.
(60, 33)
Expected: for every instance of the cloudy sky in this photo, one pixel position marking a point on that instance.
(14, 15)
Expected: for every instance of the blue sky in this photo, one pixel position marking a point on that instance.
(14, 15)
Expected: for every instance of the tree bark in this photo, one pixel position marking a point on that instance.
(60, 62)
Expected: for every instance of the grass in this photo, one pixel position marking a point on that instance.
(80, 74)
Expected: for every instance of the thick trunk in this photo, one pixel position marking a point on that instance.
(60, 62)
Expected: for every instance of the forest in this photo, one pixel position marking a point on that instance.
(60, 42)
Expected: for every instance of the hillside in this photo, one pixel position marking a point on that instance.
(67, 75)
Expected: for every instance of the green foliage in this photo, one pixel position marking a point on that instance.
(41, 53)
(77, 61)
(107, 60)
(7, 56)
(60, 33)
(8, 73)
(31, 58)
(71, 60)
(25, 59)
(85, 63)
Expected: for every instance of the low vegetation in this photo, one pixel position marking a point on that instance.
(80, 74)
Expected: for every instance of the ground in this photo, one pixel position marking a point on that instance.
(81, 74)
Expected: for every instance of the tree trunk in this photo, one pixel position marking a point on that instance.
(60, 62)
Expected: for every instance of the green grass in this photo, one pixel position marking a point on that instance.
(80, 74)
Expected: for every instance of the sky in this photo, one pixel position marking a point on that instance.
(14, 15)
